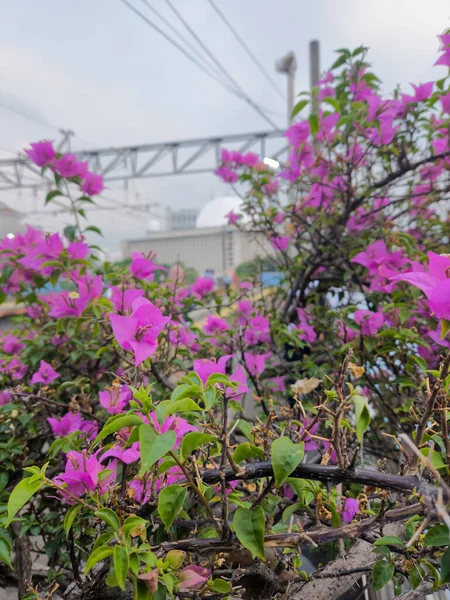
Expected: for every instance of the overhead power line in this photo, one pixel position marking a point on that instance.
(221, 67)
(247, 50)
(196, 61)
(201, 57)
(27, 116)
(188, 55)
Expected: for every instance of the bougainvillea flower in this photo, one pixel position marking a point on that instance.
(5, 397)
(46, 374)
(177, 424)
(126, 455)
(81, 475)
(232, 217)
(421, 92)
(139, 332)
(78, 250)
(370, 322)
(71, 422)
(69, 166)
(277, 384)
(215, 325)
(435, 284)
(123, 298)
(202, 286)
(238, 376)
(226, 174)
(205, 367)
(92, 184)
(143, 267)
(281, 243)
(15, 368)
(11, 345)
(67, 304)
(185, 337)
(193, 577)
(48, 248)
(256, 363)
(351, 508)
(41, 153)
(115, 399)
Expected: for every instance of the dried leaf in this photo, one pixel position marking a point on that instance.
(356, 370)
(305, 386)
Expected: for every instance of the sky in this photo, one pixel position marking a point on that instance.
(93, 66)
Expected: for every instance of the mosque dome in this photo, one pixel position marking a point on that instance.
(213, 213)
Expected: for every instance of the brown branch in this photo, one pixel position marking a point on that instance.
(429, 409)
(318, 535)
(160, 378)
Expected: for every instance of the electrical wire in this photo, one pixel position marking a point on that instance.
(27, 116)
(196, 62)
(172, 41)
(221, 67)
(213, 71)
(247, 49)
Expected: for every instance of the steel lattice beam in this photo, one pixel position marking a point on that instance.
(150, 160)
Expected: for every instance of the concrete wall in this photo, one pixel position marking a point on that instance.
(218, 248)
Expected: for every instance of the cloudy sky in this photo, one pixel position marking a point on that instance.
(95, 67)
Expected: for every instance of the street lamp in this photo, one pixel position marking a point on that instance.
(288, 66)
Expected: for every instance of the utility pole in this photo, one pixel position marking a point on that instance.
(288, 65)
(314, 63)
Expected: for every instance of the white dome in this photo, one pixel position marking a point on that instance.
(213, 213)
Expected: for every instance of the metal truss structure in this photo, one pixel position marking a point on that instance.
(150, 160)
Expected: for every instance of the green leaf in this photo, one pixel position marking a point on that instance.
(445, 328)
(389, 540)
(94, 229)
(121, 565)
(313, 121)
(193, 440)
(382, 573)
(299, 107)
(141, 591)
(332, 101)
(245, 451)
(416, 576)
(5, 553)
(109, 516)
(70, 518)
(362, 416)
(291, 510)
(436, 458)
(52, 195)
(246, 429)
(154, 446)
(103, 539)
(70, 232)
(249, 528)
(96, 556)
(183, 405)
(115, 423)
(219, 585)
(20, 495)
(185, 390)
(286, 456)
(131, 524)
(339, 62)
(216, 378)
(445, 567)
(437, 536)
(170, 501)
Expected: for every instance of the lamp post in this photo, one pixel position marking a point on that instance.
(288, 66)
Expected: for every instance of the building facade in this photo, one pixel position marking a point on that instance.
(221, 249)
